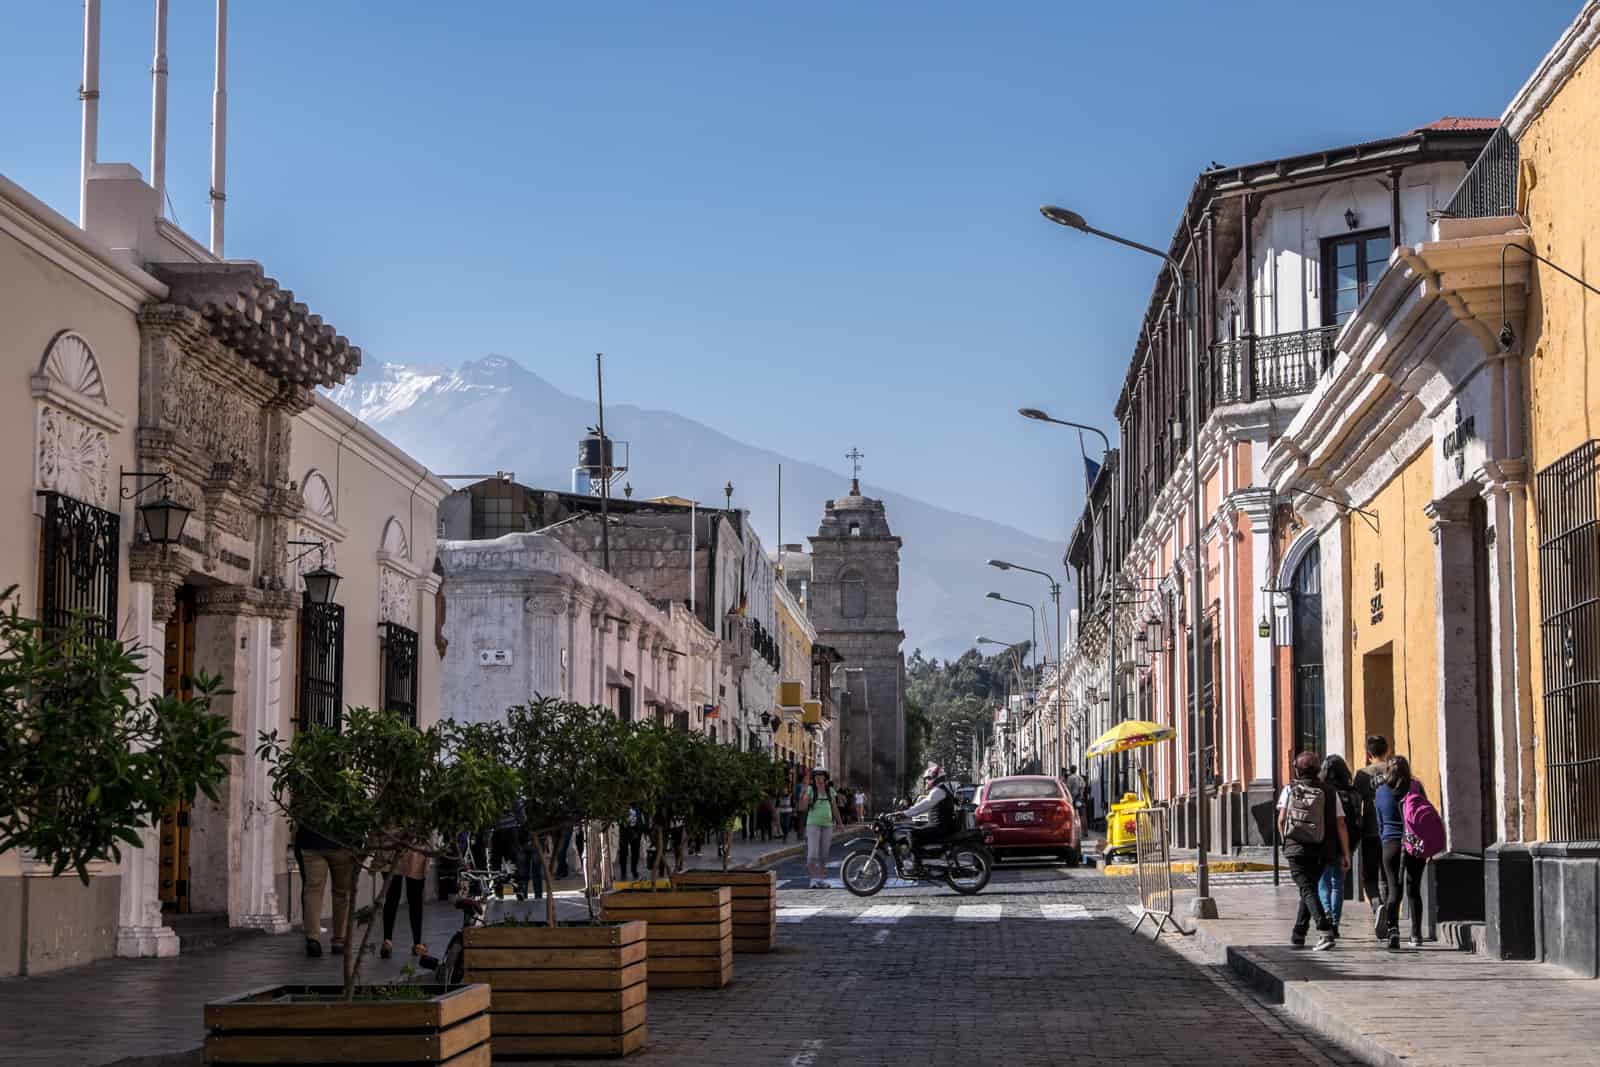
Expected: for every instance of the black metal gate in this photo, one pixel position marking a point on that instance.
(321, 665)
(78, 568)
(1569, 611)
(399, 670)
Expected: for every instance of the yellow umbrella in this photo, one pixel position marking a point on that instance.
(1134, 733)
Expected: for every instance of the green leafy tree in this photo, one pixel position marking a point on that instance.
(378, 785)
(573, 763)
(84, 763)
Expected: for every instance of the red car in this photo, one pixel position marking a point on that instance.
(1029, 813)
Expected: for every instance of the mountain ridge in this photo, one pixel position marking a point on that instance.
(493, 413)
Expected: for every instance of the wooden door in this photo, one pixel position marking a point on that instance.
(177, 679)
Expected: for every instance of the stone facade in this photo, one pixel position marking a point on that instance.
(853, 598)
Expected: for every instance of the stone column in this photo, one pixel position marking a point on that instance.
(140, 931)
(546, 608)
(1511, 615)
(253, 901)
(1461, 803)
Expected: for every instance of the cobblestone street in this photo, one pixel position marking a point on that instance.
(1038, 969)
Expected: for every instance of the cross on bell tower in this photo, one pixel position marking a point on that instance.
(855, 456)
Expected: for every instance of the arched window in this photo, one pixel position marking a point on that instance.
(852, 595)
(1310, 729)
(855, 529)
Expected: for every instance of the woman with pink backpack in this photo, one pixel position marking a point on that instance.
(1412, 833)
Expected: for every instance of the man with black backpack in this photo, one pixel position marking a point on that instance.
(1311, 820)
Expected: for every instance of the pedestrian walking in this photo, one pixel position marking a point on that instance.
(1412, 834)
(1333, 886)
(764, 813)
(786, 811)
(1370, 858)
(860, 810)
(630, 837)
(405, 870)
(323, 860)
(508, 840)
(1077, 788)
(1311, 820)
(822, 816)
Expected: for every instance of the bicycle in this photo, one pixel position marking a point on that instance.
(477, 889)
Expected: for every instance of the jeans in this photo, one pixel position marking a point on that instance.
(1305, 868)
(412, 887)
(320, 867)
(1371, 866)
(1399, 864)
(628, 854)
(1330, 890)
(785, 823)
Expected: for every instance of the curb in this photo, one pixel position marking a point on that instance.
(1130, 870)
(767, 859)
(1298, 999)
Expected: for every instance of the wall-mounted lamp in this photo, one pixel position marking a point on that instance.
(1351, 219)
(321, 581)
(163, 518)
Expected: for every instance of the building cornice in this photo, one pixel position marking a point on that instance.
(41, 230)
(335, 422)
(1574, 46)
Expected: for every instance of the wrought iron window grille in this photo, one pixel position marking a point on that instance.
(80, 549)
(399, 673)
(321, 665)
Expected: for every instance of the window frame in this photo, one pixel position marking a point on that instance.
(1330, 274)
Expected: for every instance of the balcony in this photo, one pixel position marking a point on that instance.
(1489, 189)
(1265, 368)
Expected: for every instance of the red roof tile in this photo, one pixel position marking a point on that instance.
(1458, 122)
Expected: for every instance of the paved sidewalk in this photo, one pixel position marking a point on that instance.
(1433, 1005)
(149, 1011)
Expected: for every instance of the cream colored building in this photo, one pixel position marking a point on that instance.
(130, 348)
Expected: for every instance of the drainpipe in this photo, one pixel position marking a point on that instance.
(89, 93)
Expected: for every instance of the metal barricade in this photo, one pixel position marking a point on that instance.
(1154, 855)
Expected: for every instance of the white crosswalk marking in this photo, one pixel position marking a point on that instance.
(978, 913)
(883, 913)
(1064, 911)
(796, 915)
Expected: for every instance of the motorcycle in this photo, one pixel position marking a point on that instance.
(960, 861)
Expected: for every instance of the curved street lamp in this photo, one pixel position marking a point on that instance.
(1203, 906)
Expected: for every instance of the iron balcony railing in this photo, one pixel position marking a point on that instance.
(1490, 186)
(1278, 365)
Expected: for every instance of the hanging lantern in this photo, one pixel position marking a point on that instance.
(322, 582)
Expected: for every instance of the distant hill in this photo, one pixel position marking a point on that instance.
(494, 414)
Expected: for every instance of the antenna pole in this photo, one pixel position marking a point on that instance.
(89, 93)
(605, 469)
(158, 112)
(219, 131)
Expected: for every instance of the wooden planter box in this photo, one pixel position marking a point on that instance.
(755, 904)
(314, 1025)
(690, 934)
(574, 990)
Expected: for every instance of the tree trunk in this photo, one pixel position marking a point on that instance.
(539, 843)
(661, 857)
(353, 953)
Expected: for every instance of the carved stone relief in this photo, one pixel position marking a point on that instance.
(74, 458)
(394, 597)
(209, 417)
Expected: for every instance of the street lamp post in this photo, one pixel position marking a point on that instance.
(1112, 561)
(1034, 615)
(1203, 905)
(1016, 667)
(1055, 596)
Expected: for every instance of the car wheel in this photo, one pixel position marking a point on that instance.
(1073, 857)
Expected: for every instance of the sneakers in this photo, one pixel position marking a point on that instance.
(313, 948)
(1297, 940)
(1327, 941)
(817, 883)
(1414, 942)
(1380, 929)
(1333, 931)
(1394, 942)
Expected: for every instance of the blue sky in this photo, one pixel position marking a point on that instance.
(811, 228)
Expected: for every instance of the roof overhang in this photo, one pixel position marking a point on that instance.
(262, 321)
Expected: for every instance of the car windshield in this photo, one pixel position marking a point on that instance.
(1023, 789)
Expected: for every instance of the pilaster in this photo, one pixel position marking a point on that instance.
(1458, 701)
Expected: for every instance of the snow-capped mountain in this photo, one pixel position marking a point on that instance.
(494, 414)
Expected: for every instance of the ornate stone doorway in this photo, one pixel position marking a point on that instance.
(177, 678)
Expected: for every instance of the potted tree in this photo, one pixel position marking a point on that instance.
(564, 988)
(736, 782)
(85, 764)
(690, 934)
(376, 785)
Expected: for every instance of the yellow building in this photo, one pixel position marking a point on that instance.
(1552, 163)
(793, 743)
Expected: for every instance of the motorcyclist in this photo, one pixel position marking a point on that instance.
(940, 803)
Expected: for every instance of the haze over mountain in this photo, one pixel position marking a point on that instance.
(494, 414)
